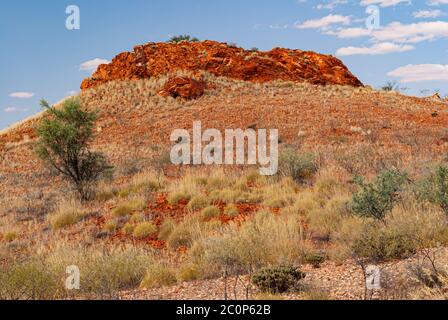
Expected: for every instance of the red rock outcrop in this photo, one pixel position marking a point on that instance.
(184, 87)
(220, 59)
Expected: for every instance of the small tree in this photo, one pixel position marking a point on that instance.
(185, 37)
(376, 199)
(390, 86)
(64, 138)
(435, 188)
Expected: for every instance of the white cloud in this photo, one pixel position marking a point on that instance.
(437, 2)
(330, 5)
(14, 109)
(92, 65)
(324, 22)
(412, 33)
(10, 109)
(420, 73)
(21, 95)
(398, 32)
(427, 13)
(350, 33)
(384, 3)
(278, 26)
(73, 93)
(376, 49)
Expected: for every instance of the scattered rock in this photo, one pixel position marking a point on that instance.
(184, 87)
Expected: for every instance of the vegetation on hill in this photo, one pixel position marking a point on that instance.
(64, 138)
(152, 225)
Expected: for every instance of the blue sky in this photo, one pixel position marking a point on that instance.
(42, 59)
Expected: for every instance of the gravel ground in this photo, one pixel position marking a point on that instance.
(338, 282)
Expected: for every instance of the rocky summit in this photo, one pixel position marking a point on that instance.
(221, 59)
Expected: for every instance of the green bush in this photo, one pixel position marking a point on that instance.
(185, 37)
(315, 258)
(377, 244)
(435, 188)
(376, 199)
(277, 279)
(64, 138)
(300, 167)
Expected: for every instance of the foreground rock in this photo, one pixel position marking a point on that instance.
(184, 87)
(220, 59)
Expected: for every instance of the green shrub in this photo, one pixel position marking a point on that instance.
(64, 138)
(159, 276)
(185, 37)
(300, 167)
(211, 212)
(277, 279)
(435, 188)
(144, 229)
(376, 199)
(315, 258)
(377, 244)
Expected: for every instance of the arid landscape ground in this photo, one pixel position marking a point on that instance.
(159, 231)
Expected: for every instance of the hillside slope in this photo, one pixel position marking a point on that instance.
(134, 118)
(349, 129)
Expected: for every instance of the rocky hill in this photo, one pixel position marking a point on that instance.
(155, 59)
(156, 225)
